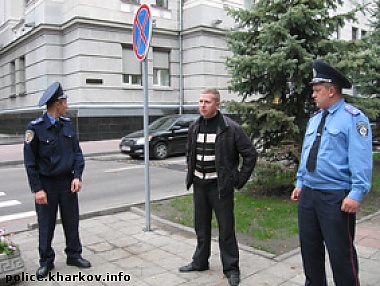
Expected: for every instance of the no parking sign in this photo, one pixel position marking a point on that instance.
(141, 34)
(142, 31)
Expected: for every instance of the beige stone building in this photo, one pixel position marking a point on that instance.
(87, 46)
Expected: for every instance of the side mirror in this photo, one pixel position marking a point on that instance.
(175, 128)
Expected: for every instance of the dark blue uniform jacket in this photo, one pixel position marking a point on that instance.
(51, 150)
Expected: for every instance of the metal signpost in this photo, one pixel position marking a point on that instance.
(141, 35)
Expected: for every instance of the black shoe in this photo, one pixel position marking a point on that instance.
(78, 262)
(43, 271)
(190, 267)
(234, 279)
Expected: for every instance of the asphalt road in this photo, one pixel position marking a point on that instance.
(110, 183)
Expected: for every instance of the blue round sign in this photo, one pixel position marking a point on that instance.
(142, 31)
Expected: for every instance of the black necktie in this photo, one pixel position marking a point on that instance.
(312, 160)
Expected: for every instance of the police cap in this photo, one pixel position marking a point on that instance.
(53, 93)
(325, 73)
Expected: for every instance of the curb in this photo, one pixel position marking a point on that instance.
(19, 162)
(136, 210)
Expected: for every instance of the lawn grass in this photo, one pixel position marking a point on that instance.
(265, 217)
(261, 218)
(371, 202)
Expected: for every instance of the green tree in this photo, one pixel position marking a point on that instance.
(273, 46)
(369, 83)
(360, 59)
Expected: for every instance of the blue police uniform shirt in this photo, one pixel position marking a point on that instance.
(52, 119)
(345, 154)
(51, 150)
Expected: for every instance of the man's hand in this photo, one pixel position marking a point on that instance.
(295, 194)
(349, 205)
(40, 197)
(76, 185)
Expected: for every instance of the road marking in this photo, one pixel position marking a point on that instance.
(17, 216)
(124, 168)
(9, 203)
(2, 194)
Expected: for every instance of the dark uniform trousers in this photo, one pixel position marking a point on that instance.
(59, 193)
(206, 198)
(322, 223)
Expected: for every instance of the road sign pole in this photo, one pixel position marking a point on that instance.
(146, 145)
(141, 35)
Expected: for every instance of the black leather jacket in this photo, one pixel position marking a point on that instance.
(231, 143)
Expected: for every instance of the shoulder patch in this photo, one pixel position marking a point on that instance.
(65, 118)
(362, 128)
(29, 135)
(352, 110)
(315, 113)
(37, 121)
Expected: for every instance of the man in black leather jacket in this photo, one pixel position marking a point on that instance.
(214, 148)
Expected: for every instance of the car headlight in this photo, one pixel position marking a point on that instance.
(141, 141)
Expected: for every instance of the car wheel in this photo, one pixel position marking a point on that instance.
(160, 151)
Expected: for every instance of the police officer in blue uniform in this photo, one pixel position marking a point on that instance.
(334, 174)
(54, 164)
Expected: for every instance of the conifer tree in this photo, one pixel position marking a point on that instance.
(273, 46)
(368, 83)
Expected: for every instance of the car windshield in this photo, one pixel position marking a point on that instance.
(162, 123)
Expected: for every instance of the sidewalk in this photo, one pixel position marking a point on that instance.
(120, 249)
(13, 153)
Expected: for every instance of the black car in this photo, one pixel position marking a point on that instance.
(167, 136)
(375, 134)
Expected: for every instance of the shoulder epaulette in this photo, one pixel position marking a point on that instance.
(352, 110)
(315, 113)
(65, 118)
(37, 121)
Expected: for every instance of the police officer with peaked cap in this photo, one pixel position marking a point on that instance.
(54, 164)
(334, 174)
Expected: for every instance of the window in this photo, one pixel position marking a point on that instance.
(161, 74)
(162, 3)
(131, 1)
(354, 33)
(13, 78)
(185, 122)
(22, 75)
(364, 32)
(131, 67)
(247, 4)
(29, 2)
(338, 32)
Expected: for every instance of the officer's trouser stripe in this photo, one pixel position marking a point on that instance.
(354, 272)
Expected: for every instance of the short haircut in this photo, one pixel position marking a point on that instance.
(213, 91)
(337, 87)
(50, 103)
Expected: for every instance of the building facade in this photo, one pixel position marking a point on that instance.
(87, 46)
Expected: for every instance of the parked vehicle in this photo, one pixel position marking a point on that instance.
(375, 126)
(167, 136)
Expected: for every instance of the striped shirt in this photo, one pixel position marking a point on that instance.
(205, 158)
